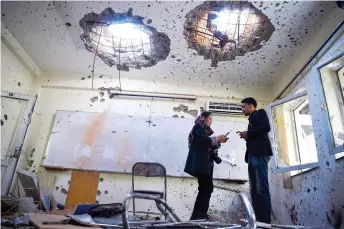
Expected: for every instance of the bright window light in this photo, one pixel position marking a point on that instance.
(226, 21)
(128, 31)
(223, 19)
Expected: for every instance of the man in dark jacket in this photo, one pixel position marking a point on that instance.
(257, 156)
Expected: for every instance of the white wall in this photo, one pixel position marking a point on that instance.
(317, 198)
(15, 77)
(323, 30)
(65, 91)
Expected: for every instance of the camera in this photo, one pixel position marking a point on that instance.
(214, 156)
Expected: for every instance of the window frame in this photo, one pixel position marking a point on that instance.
(275, 167)
(322, 101)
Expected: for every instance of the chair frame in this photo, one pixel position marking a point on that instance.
(164, 175)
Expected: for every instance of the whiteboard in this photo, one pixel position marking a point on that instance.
(115, 142)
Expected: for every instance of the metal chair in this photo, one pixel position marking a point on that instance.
(148, 169)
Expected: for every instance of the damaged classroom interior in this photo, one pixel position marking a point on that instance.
(103, 104)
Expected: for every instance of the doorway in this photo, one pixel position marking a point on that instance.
(16, 111)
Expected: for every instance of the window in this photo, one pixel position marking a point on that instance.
(292, 135)
(331, 75)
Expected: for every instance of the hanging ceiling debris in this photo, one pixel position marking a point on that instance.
(222, 30)
(123, 40)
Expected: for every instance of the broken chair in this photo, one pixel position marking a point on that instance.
(148, 169)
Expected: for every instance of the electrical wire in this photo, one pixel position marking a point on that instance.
(95, 55)
(119, 62)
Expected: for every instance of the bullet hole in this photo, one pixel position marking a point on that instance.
(3, 15)
(113, 132)
(99, 193)
(101, 76)
(64, 191)
(93, 99)
(101, 93)
(327, 163)
(149, 21)
(89, 77)
(5, 116)
(179, 60)
(173, 56)
(106, 192)
(57, 188)
(181, 108)
(19, 84)
(68, 24)
(101, 179)
(102, 100)
(314, 189)
(2, 122)
(308, 190)
(175, 116)
(30, 163)
(83, 78)
(148, 5)
(69, 182)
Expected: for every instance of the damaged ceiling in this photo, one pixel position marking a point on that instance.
(50, 34)
(122, 39)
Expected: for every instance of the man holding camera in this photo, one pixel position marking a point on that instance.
(200, 161)
(257, 156)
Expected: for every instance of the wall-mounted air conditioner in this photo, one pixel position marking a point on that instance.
(224, 108)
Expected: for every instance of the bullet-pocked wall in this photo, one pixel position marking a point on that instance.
(15, 77)
(316, 198)
(72, 92)
(184, 72)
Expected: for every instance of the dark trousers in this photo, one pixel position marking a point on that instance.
(205, 188)
(259, 187)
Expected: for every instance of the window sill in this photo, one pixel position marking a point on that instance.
(296, 173)
(339, 156)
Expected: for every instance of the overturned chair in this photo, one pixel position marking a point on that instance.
(172, 220)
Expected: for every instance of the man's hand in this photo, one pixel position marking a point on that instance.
(243, 134)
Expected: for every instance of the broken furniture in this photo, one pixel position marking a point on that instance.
(80, 182)
(81, 216)
(44, 221)
(160, 204)
(148, 169)
(8, 204)
(29, 184)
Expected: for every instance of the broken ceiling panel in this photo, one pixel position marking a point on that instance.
(123, 40)
(222, 30)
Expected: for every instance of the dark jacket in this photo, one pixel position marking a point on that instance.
(257, 142)
(199, 161)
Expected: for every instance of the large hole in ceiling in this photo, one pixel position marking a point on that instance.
(222, 30)
(123, 40)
